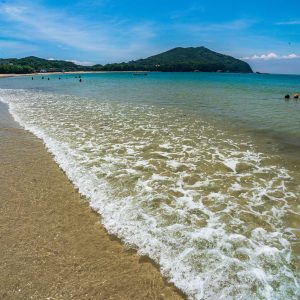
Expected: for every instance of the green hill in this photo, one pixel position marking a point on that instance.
(175, 60)
(33, 64)
(185, 60)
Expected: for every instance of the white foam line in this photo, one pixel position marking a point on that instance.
(214, 244)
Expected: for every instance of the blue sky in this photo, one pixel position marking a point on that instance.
(264, 33)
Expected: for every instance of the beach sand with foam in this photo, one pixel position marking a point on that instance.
(52, 244)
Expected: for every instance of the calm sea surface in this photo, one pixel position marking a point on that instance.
(199, 171)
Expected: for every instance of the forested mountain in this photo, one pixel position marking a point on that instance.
(175, 60)
(185, 60)
(33, 64)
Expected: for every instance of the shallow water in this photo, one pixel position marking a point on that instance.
(163, 161)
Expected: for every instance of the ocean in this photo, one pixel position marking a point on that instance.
(198, 171)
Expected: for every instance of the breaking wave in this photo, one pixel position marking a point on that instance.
(203, 203)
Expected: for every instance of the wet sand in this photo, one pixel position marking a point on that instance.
(52, 245)
(10, 75)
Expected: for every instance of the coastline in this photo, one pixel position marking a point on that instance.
(12, 75)
(52, 243)
(49, 73)
(71, 72)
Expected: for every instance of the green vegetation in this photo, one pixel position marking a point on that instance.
(15, 69)
(175, 60)
(33, 64)
(185, 60)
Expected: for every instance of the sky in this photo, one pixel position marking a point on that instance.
(266, 34)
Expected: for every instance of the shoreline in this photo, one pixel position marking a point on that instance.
(71, 72)
(49, 73)
(52, 242)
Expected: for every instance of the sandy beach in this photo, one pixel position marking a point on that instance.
(52, 244)
(45, 74)
(66, 73)
(11, 75)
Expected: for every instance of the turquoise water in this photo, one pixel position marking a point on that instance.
(250, 101)
(199, 171)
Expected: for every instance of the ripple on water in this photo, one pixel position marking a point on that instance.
(206, 205)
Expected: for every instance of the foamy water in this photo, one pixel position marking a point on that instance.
(204, 203)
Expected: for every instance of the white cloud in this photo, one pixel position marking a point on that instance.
(109, 39)
(290, 56)
(81, 63)
(295, 22)
(9, 48)
(271, 56)
(75, 61)
(235, 25)
(50, 25)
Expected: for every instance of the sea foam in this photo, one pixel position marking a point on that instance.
(206, 206)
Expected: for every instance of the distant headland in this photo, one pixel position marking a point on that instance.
(192, 59)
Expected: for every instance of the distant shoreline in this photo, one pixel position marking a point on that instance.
(71, 72)
(51, 73)
(105, 72)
